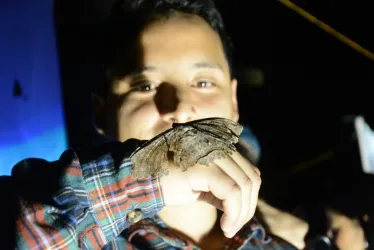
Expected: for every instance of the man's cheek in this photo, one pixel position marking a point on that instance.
(137, 108)
(216, 105)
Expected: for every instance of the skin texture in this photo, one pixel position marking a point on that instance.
(349, 234)
(174, 76)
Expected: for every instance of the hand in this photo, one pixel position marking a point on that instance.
(284, 225)
(230, 184)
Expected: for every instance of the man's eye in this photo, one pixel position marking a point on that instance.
(144, 87)
(204, 84)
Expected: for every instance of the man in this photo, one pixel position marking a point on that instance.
(166, 61)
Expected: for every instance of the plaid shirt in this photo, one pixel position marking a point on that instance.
(82, 201)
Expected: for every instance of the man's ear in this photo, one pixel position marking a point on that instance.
(99, 112)
(235, 111)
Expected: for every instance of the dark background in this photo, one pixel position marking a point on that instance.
(312, 81)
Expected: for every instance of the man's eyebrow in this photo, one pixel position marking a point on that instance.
(207, 65)
(140, 71)
(198, 65)
(148, 69)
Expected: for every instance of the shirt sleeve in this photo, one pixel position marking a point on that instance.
(81, 200)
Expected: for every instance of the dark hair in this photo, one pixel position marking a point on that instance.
(127, 18)
(354, 199)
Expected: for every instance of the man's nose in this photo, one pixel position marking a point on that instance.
(174, 104)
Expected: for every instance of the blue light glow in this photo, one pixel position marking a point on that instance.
(31, 109)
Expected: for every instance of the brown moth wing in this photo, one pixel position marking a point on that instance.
(220, 133)
(235, 127)
(187, 144)
(205, 141)
(227, 126)
(149, 158)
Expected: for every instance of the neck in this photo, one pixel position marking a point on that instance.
(195, 221)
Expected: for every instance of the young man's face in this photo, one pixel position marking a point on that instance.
(183, 75)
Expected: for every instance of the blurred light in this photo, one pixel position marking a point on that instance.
(31, 109)
(253, 77)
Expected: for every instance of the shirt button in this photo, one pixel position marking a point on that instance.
(134, 216)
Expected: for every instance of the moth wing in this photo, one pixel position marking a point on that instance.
(201, 143)
(148, 159)
(220, 128)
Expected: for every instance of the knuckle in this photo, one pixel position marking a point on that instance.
(247, 183)
(257, 170)
(258, 180)
(235, 188)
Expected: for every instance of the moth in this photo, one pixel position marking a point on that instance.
(185, 145)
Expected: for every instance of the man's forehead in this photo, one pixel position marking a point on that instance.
(159, 48)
